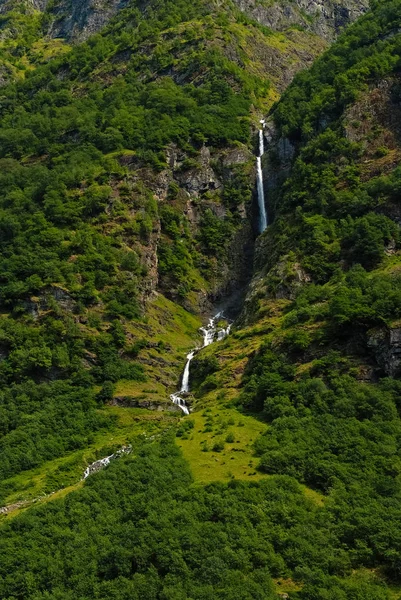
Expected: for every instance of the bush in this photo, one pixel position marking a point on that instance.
(218, 446)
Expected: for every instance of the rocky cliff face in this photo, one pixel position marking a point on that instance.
(372, 121)
(77, 20)
(70, 19)
(386, 346)
(325, 18)
(201, 187)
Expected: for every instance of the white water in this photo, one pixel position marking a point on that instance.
(210, 333)
(97, 465)
(177, 398)
(103, 462)
(261, 143)
(259, 183)
(185, 377)
(90, 470)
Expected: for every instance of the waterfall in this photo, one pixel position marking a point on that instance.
(185, 377)
(261, 143)
(177, 398)
(104, 462)
(210, 332)
(259, 183)
(97, 465)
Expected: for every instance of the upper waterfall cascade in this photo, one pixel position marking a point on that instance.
(259, 182)
(211, 333)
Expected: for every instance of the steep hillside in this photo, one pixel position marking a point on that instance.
(126, 210)
(32, 32)
(322, 17)
(75, 20)
(108, 198)
(317, 355)
(127, 177)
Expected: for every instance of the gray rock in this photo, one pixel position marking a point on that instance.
(325, 18)
(40, 4)
(62, 297)
(277, 160)
(45, 301)
(290, 276)
(386, 346)
(132, 402)
(32, 308)
(76, 20)
(79, 19)
(174, 156)
(237, 156)
(285, 150)
(201, 179)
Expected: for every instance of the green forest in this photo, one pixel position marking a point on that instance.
(127, 211)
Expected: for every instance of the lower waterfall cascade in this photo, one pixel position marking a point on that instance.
(104, 462)
(211, 333)
(262, 221)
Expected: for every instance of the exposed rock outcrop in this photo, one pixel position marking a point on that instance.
(194, 185)
(201, 178)
(77, 21)
(50, 297)
(276, 163)
(326, 18)
(386, 346)
(289, 276)
(133, 402)
(373, 121)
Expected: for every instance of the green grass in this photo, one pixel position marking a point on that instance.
(236, 460)
(177, 332)
(287, 586)
(131, 424)
(169, 332)
(215, 416)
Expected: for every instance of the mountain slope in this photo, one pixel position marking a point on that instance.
(126, 172)
(127, 176)
(33, 32)
(78, 20)
(318, 354)
(326, 19)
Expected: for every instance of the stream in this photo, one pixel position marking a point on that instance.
(104, 462)
(211, 333)
(259, 182)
